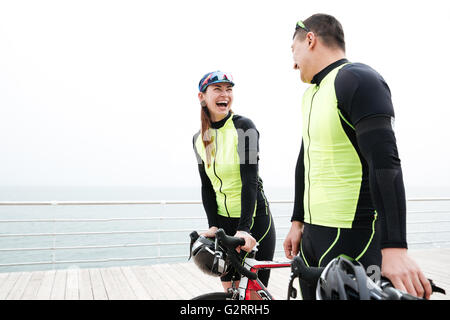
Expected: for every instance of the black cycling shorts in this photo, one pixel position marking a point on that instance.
(320, 245)
(263, 230)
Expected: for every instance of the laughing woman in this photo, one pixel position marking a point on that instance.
(227, 150)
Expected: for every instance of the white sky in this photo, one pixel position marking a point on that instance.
(105, 92)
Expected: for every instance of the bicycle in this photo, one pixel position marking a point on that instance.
(251, 288)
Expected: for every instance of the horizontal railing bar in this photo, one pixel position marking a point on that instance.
(155, 202)
(106, 219)
(158, 218)
(151, 244)
(90, 233)
(428, 242)
(427, 221)
(10, 235)
(430, 211)
(131, 245)
(103, 203)
(94, 203)
(161, 202)
(428, 199)
(119, 219)
(424, 232)
(90, 261)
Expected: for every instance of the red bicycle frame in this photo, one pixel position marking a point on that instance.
(255, 289)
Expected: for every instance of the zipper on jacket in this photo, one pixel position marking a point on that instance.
(221, 183)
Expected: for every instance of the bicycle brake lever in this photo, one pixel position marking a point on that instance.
(292, 292)
(194, 236)
(435, 288)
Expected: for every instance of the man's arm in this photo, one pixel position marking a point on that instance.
(377, 143)
(298, 213)
(378, 146)
(365, 100)
(292, 242)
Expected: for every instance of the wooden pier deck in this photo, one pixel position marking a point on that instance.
(177, 281)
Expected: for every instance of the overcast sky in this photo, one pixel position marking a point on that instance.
(105, 92)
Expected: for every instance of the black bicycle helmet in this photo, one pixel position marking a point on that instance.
(344, 279)
(205, 257)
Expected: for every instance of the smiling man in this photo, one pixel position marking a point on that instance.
(349, 192)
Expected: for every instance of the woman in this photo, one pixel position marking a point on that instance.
(232, 191)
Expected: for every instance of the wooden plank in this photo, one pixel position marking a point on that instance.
(142, 277)
(32, 289)
(167, 275)
(190, 284)
(110, 285)
(72, 291)
(122, 284)
(3, 276)
(435, 256)
(45, 289)
(436, 270)
(210, 284)
(166, 281)
(59, 285)
(139, 289)
(161, 288)
(84, 283)
(8, 284)
(19, 287)
(98, 286)
(278, 283)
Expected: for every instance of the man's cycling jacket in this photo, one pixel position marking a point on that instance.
(348, 173)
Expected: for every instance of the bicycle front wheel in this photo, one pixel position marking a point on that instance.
(214, 296)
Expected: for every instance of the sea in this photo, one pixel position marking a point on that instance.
(124, 234)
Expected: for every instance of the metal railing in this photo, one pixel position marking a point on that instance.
(158, 231)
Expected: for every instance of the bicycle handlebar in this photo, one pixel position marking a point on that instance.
(231, 243)
(309, 274)
(394, 294)
(228, 241)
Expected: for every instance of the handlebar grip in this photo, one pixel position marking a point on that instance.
(309, 274)
(194, 236)
(393, 293)
(231, 243)
(228, 241)
(407, 296)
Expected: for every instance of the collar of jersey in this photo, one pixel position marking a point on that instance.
(323, 73)
(221, 123)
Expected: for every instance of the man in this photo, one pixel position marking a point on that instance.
(349, 192)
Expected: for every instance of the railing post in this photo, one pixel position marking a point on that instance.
(163, 204)
(54, 206)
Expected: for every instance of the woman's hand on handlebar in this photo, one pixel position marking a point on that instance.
(210, 233)
(250, 242)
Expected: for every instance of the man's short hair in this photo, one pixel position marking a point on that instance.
(325, 26)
